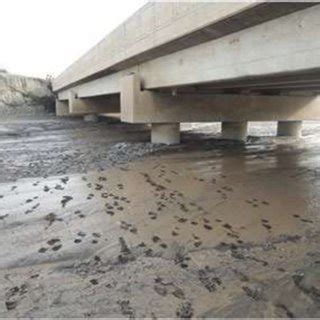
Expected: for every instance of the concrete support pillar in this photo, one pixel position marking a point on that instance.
(234, 130)
(167, 133)
(93, 117)
(289, 129)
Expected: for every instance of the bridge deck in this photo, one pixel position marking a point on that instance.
(158, 30)
(188, 62)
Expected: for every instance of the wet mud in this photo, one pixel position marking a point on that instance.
(209, 228)
(54, 146)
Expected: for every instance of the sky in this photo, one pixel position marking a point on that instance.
(43, 37)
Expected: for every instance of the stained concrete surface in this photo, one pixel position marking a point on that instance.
(209, 228)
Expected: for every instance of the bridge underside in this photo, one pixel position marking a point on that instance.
(234, 105)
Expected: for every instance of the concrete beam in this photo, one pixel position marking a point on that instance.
(79, 106)
(144, 106)
(103, 86)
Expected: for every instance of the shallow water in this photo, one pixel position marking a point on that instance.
(206, 229)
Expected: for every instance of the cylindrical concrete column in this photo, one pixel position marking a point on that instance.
(289, 129)
(234, 130)
(167, 133)
(92, 117)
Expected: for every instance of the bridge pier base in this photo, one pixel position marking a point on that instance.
(93, 117)
(234, 130)
(167, 133)
(289, 129)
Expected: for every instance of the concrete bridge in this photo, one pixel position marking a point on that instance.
(202, 62)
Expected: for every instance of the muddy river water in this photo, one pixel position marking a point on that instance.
(94, 227)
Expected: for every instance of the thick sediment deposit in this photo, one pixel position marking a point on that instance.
(91, 226)
(24, 96)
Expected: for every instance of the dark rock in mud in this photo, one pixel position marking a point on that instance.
(210, 282)
(308, 280)
(185, 310)
(126, 309)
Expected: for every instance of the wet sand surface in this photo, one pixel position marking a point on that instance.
(206, 229)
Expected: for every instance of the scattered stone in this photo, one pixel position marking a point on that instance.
(94, 282)
(254, 291)
(308, 280)
(210, 282)
(53, 241)
(11, 305)
(185, 310)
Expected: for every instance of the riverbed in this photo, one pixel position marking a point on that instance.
(97, 222)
